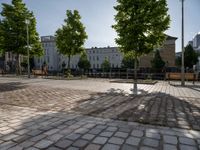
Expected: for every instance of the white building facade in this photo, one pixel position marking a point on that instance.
(195, 43)
(95, 55)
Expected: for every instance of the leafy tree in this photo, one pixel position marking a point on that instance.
(14, 33)
(106, 65)
(190, 56)
(84, 63)
(157, 63)
(71, 37)
(140, 25)
(178, 61)
(128, 60)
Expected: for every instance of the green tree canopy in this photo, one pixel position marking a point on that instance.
(84, 63)
(13, 29)
(140, 26)
(106, 65)
(71, 37)
(157, 63)
(190, 56)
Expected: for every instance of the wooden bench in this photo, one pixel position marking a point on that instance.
(177, 76)
(38, 72)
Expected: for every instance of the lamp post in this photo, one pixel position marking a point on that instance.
(183, 49)
(28, 47)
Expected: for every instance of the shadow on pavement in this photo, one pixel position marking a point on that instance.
(11, 86)
(22, 128)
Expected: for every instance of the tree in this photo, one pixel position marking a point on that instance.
(190, 56)
(84, 63)
(14, 33)
(106, 65)
(128, 60)
(140, 25)
(157, 63)
(71, 37)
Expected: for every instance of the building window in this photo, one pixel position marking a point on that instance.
(93, 65)
(93, 58)
(93, 51)
(97, 58)
(97, 65)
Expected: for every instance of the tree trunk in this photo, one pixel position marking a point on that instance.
(68, 65)
(135, 91)
(18, 65)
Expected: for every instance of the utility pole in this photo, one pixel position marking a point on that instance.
(28, 46)
(183, 49)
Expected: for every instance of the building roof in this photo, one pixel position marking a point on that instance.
(171, 37)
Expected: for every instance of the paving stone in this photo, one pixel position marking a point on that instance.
(21, 138)
(170, 139)
(63, 143)
(100, 140)
(55, 137)
(34, 132)
(146, 148)
(133, 141)
(37, 138)
(72, 148)
(112, 129)
(73, 136)
(53, 148)
(80, 143)
(128, 147)
(26, 144)
(9, 137)
(187, 147)
(137, 133)
(88, 136)
(95, 131)
(151, 142)
(153, 135)
(121, 134)
(101, 127)
(93, 147)
(16, 148)
(169, 147)
(187, 141)
(7, 145)
(52, 131)
(81, 131)
(111, 147)
(32, 148)
(127, 130)
(43, 144)
(116, 140)
(106, 134)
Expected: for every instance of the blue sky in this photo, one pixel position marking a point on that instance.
(98, 16)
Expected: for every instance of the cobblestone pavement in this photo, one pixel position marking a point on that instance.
(166, 105)
(55, 114)
(30, 129)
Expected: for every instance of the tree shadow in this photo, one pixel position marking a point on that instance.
(26, 127)
(11, 86)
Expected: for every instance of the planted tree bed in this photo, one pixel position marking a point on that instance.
(131, 81)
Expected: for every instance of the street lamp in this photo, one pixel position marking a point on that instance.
(28, 47)
(183, 49)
